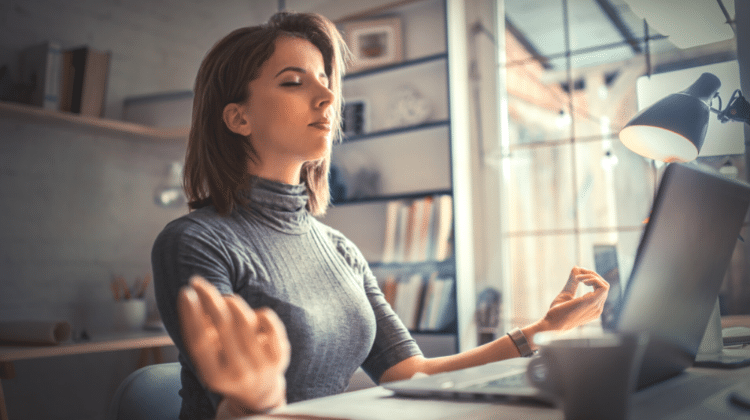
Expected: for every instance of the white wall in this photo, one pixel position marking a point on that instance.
(77, 208)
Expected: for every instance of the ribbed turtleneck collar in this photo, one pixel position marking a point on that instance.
(278, 205)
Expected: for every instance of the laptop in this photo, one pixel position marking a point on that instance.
(680, 263)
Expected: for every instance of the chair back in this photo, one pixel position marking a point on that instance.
(151, 392)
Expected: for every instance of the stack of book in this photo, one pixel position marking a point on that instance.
(422, 302)
(72, 80)
(418, 230)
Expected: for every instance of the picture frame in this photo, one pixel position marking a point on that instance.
(607, 265)
(356, 117)
(374, 43)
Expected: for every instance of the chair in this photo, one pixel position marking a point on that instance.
(149, 393)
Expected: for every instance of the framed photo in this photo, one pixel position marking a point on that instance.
(356, 117)
(606, 264)
(374, 43)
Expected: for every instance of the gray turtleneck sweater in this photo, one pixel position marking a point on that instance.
(273, 253)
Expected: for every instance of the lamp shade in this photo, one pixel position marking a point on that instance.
(673, 129)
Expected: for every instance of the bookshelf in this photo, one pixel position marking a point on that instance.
(414, 161)
(92, 125)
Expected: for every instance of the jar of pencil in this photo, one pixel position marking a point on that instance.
(129, 303)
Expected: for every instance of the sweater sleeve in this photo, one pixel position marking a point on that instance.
(181, 251)
(393, 342)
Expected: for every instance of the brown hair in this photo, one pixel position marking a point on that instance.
(216, 158)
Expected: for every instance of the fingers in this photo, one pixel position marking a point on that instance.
(572, 284)
(193, 320)
(583, 275)
(199, 335)
(245, 321)
(243, 331)
(274, 343)
(597, 282)
(211, 300)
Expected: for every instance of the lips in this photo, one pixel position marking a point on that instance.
(323, 124)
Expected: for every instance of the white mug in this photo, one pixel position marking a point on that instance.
(129, 315)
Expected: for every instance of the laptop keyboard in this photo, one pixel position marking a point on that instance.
(516, 380)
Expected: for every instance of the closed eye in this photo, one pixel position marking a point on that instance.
(291, 84)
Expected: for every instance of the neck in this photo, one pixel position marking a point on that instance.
(284, 173)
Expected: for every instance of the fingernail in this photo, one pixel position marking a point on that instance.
(189, 292)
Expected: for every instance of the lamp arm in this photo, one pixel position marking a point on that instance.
(738, 109)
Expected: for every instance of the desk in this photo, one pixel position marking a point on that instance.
(148, 342)
(697, 394)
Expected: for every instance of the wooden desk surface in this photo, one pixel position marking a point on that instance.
(695, 395)
(102, 343)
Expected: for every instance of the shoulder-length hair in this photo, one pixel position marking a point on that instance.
(216, 158)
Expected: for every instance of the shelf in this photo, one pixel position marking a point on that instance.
(107, 342)
(397, 130)
(391, 197)
(93, 125)
(397, 66)
(446, 267)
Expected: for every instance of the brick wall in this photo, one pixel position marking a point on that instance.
(77, 207)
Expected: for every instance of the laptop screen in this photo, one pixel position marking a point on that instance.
(683, 255)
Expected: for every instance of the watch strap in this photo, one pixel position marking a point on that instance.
(522, 344)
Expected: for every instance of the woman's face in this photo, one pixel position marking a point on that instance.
(290, 110)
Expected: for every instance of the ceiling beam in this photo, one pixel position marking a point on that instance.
(526, 43)
(700, 55)
(620, 24)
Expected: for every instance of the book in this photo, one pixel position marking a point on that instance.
(408, 299)
(391, 227)
(85, 75)
(442, 229)
(417, 211)
(423, 238)
(444, 311)
(437, 292)
(388, 286)
(429, 303)
(66, 81)
(41, 69)
(413, 210)
(400, 250)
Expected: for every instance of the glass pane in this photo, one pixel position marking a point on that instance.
(599, 30)
(534, 107)
(615, 185)
(611, 254)
(540, 28)
(540, 268)
(540, 189)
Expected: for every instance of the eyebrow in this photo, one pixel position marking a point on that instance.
(297, 70)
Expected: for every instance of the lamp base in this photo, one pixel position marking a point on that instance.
(712, 354)
(728, 359)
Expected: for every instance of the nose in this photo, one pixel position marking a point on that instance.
(324, 97)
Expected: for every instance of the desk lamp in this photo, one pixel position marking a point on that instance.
(673, 130)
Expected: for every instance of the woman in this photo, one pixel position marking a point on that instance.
(266, 110)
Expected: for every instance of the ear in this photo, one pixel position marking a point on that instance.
(236, 119)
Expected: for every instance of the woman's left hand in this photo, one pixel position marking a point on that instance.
(568, 311)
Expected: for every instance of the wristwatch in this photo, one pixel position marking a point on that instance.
(519, 339)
